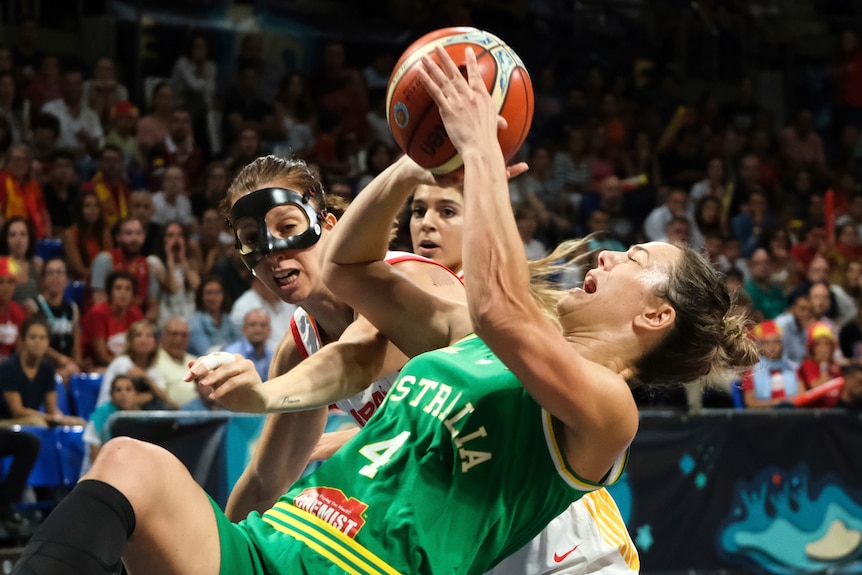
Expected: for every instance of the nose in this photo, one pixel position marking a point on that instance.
(429, 221)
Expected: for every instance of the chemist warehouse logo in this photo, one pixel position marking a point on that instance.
(332, 506)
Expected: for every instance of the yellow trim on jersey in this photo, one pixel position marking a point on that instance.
(326, 540)
(568, 475)
(611, 527)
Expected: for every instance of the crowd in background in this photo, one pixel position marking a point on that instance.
(113, 235)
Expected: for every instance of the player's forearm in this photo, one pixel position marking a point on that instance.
(338, 371)
(363, 233)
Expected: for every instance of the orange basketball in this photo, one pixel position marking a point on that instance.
(413, 116)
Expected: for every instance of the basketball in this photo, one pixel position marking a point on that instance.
(413, 116)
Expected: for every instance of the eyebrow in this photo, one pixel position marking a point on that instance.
(641, 249)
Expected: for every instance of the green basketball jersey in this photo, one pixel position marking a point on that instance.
(459, 468)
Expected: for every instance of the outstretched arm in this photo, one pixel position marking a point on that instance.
(593, 403)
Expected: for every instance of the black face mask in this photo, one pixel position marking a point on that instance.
(294, 230)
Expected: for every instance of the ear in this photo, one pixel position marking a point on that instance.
(656, 318)
(329, 221)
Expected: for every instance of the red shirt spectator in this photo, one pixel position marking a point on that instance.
(12, 315)
(104, 326)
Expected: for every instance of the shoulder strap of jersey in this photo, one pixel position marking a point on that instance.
(393, 258)
(304, 330)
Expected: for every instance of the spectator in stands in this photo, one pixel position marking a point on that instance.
(234, 275)
(124, 397)
(848, 292)
(767, 297)
(127, 256)
(194, 76)
(176, 264)
(675, 205)
(259, 297)
(813, 243)
(820, 296)
(572, 172)
(295, 114)
(677, 231)
(785, 269)
(63, 318)
(87, 237)
(16, 241)
(80, 128)
(138, 360)
(142, 209)
(681, 164)
(851, 391)
(801, 146)
(599, 224)
(794, 327)
(773, 380)
(177, 149)
(104, 326)
(255, 343)
(853, 215)
(103, 92)
(709, 218)
(61, 192)
(20, 192)
(378, 157)
(818, 271)
(23, 448)
(110, 186)
(847, 242)
(173, 361)
(27, 382)
(210, 325)
(213, 239)
(212, 189)
(251, 54)
(713, 185)
(121, 133)
(245, 150)
(12, 110)
(819, 366)
(5, 140)
(610, 196)
(243, 107)
(642, 160)
(11, 314)
(26, 51)
(752, 221)
(172, 203)
(155, 126)
(44, 85)
(527, 220)
(46, 133)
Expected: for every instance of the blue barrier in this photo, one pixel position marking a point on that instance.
(84, 388)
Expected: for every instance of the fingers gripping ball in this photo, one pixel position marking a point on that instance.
(413, 116)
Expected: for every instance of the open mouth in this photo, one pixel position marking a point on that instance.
(589, 284)
(285, 277)
(428, 245)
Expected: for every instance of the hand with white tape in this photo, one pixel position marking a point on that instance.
(232, 380)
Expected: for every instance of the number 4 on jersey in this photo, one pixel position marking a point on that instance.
(380, 453)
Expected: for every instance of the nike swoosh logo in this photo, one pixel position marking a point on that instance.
(560, 558)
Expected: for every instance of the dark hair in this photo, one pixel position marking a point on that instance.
(31, 232)
(97, 230)
(199, 294)
(111, 148)
(32, 320)
(116, 275)
(46, 121)
(706, 337)
(62, 155)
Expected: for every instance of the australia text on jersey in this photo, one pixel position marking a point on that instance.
(435, 399)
